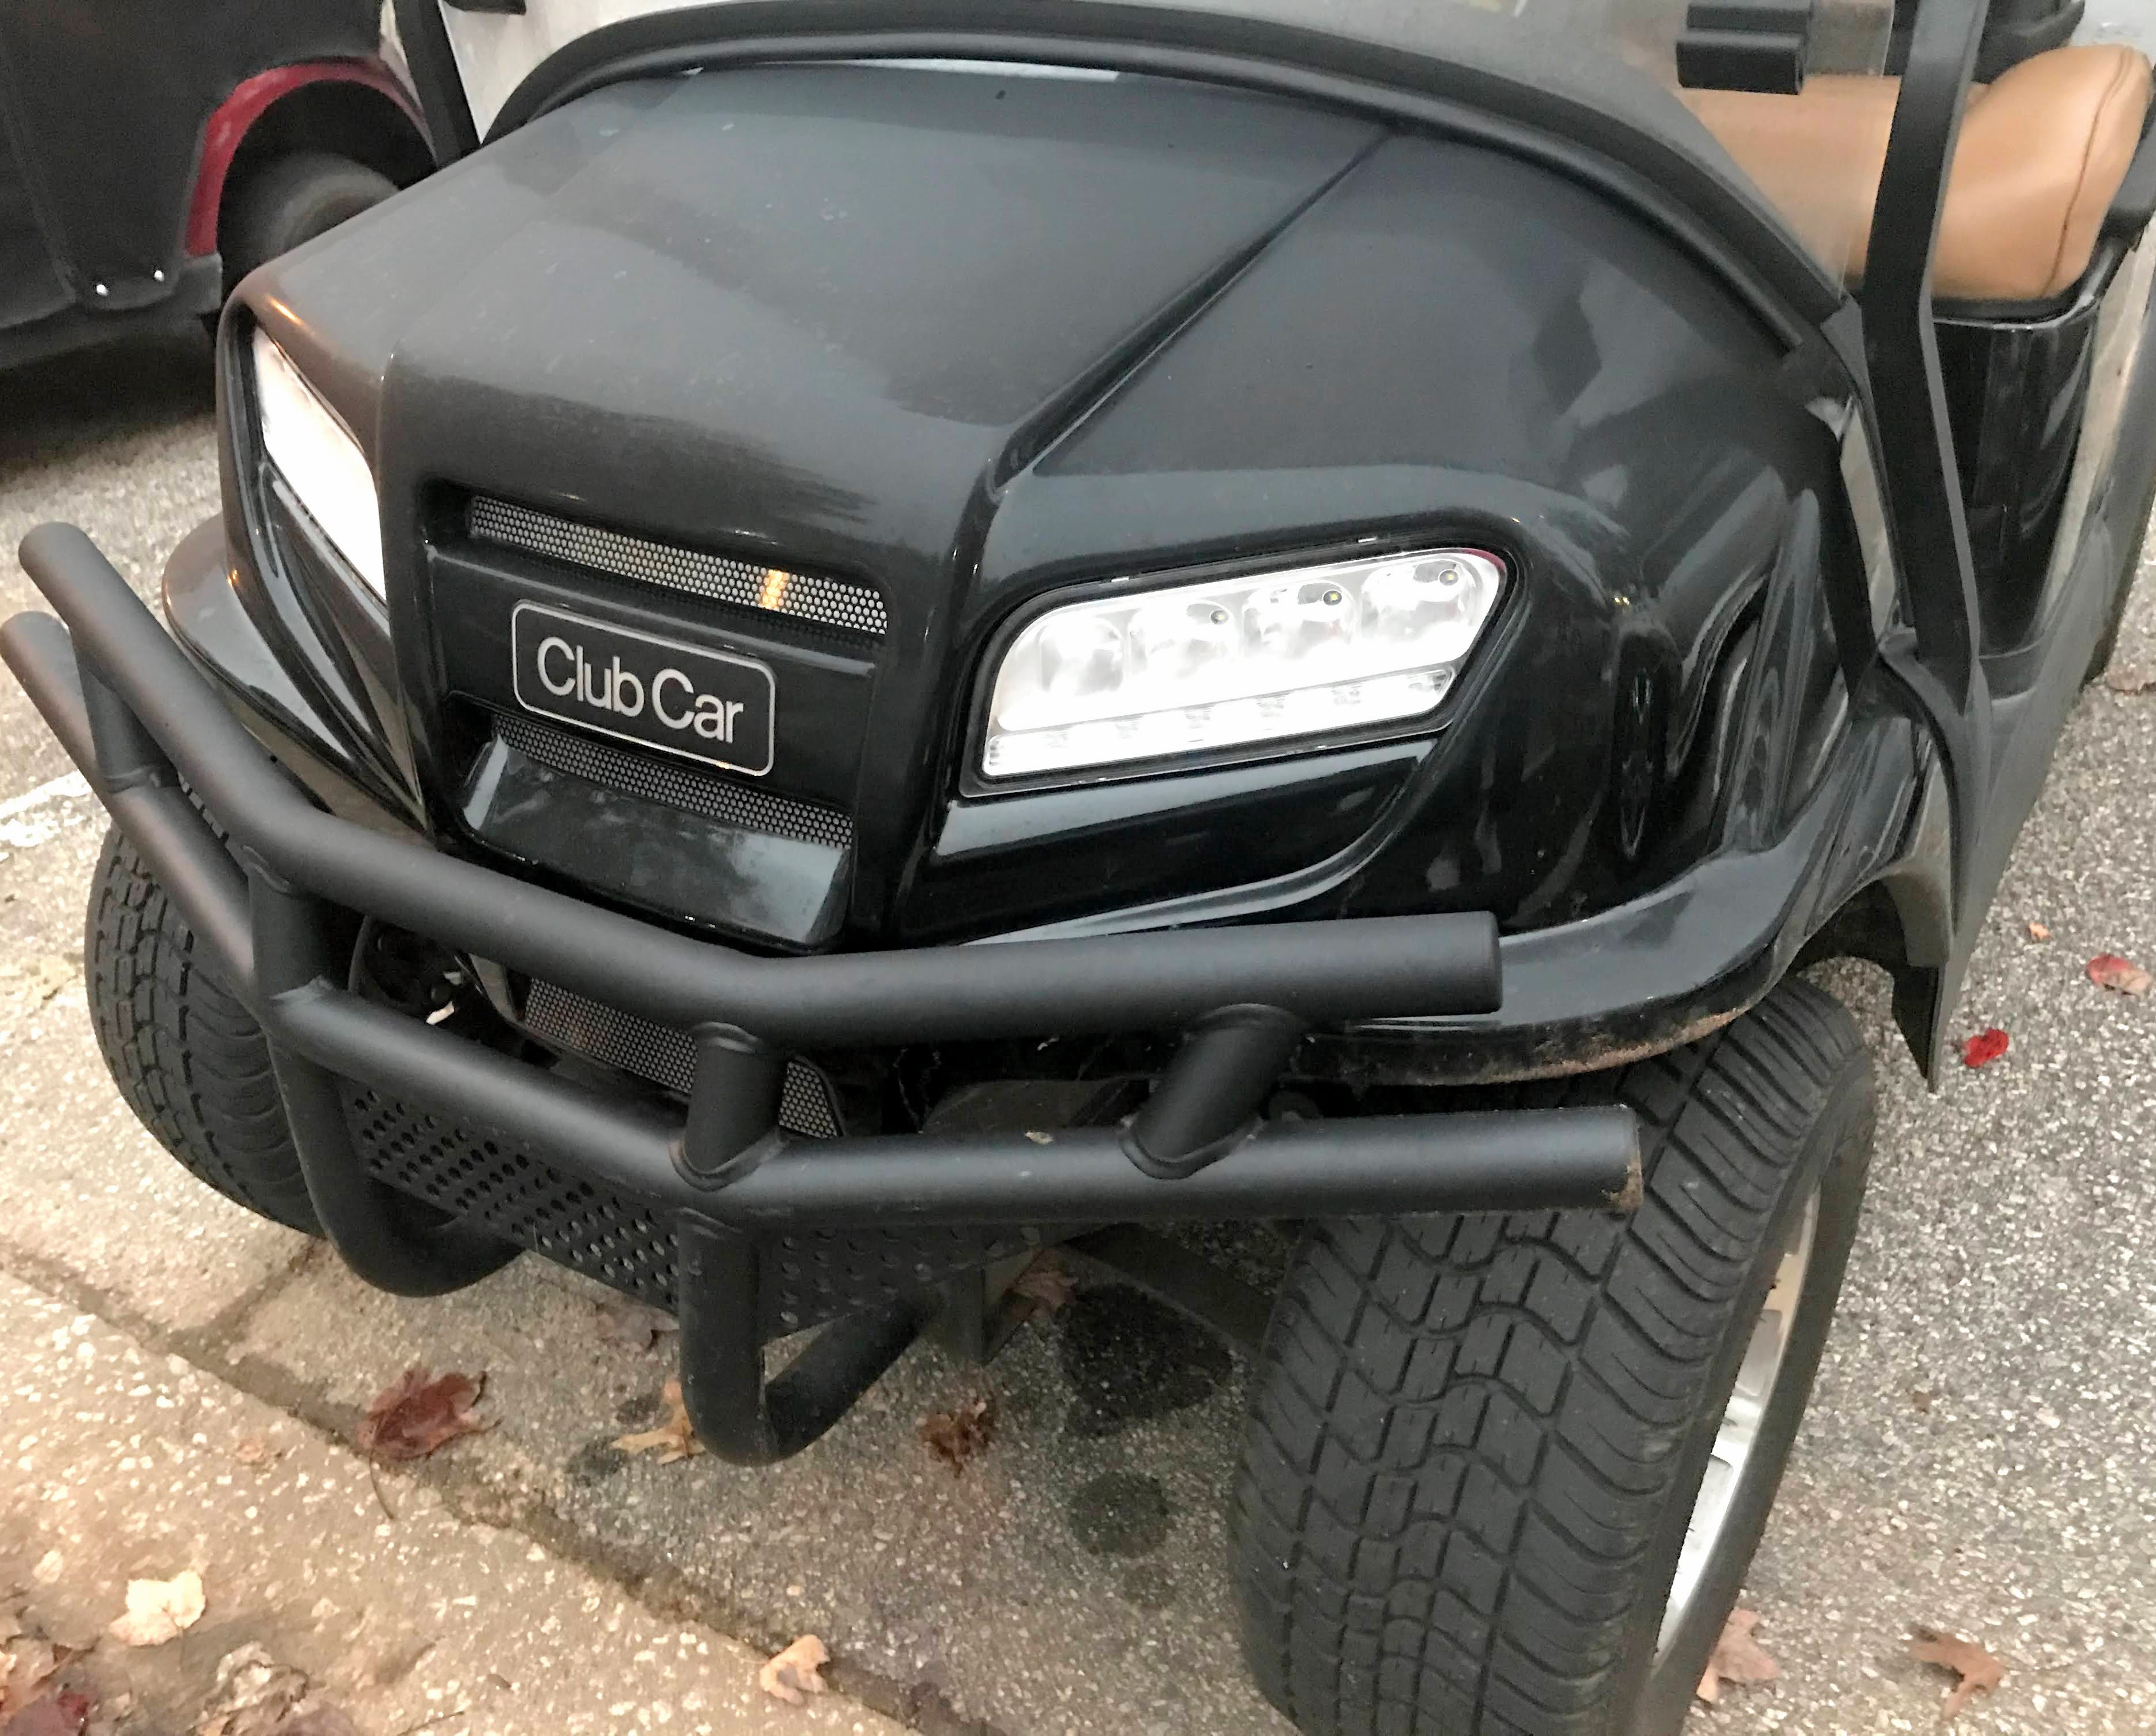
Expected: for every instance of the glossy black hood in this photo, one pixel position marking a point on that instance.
(959, 338)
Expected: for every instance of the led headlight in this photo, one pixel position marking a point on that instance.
(319, 461)
(1197, 668)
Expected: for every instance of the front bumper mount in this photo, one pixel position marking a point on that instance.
(267, 901)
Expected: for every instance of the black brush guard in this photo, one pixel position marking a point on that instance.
(153, 738)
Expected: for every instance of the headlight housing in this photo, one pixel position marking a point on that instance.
(319, 460)
(1195, 668)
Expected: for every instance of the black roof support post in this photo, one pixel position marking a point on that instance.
(1913, 440)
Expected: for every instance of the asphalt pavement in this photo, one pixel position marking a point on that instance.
(1981, 1457)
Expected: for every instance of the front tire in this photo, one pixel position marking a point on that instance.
(1477, 1442)
(188, 1058)
(292, 200)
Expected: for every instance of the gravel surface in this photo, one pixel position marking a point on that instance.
(1976, 1459)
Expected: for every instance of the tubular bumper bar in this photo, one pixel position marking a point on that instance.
(147, 729)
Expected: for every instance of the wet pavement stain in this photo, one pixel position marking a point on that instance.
(1121, 1512)
(1129, 1358)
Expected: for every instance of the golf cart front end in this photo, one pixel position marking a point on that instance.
(869, 643)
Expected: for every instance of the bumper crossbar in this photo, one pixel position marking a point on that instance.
(270, 905)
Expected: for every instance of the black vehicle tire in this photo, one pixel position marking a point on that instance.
(1475, 1441)
(293, 199)
(188, 1058)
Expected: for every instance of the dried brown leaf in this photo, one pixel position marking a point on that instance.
(2038, 931)
(2108, 970)
(632, 1325)
(415, 1416)
(253, 1695)
(1736, 1657)
(27, 1662)
(1978, 1671)
(2130, 682)
(674, 1439)
(35, 981)
(256, 1451)
(961, 1435)
(1046, 1282)
(792, 1676)
(159, 1609)
(64, 1714)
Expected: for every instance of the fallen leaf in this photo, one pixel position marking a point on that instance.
(1979, 1671)
(252, 1695)
(159, 1609)
(27, 1662)
(2108, 970)
(415, 1416)
(958, 1437)
(2038, 931)
(321, 1719)
(1046, 1282)
(2130, 681)
(256, 1451)
(64, 1714)
(632, 1325)
(791, 1675)
(1736, 1657)
(674, 1439)
(1984, 1048)
(1920, 1401)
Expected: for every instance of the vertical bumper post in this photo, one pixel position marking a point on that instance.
(392, 1244)
(733, 1103)
(1212, 1092)
(737, 1413)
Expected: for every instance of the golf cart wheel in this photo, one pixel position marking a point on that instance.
(188, 1058)
(1505, 1473)
(294, 199)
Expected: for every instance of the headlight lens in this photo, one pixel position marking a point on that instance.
(1198, 668)
(319, 461)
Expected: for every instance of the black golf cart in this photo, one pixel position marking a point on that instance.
(881, 632)
(151, 156)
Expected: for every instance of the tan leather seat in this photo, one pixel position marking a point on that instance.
(2042, 153)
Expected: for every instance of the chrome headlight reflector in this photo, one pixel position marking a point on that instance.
(1193, 669)
(319, 461)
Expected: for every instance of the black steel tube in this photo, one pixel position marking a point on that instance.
(196, 870)
(1507, 1160)
(1323, 972)
(739, 1416)
(380, 1235)
(1230, 1064)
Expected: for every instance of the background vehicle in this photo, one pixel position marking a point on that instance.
(151, 158)
(909, 630)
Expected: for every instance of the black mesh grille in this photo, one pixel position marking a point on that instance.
(496, 1182)
(662, 1054)
(827, 602)
(653, 780)
(493, 1181)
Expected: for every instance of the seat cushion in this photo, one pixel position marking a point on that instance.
(2042, 153)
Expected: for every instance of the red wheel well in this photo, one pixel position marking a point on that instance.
(356, 108)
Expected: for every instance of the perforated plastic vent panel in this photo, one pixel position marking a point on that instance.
(827, 602)
(650, 780)
(496, 1181)
(663, 1055)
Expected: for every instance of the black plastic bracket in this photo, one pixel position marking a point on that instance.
(1746, 45)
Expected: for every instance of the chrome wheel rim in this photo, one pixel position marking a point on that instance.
(1739, 1433)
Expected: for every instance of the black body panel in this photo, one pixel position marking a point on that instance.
(967, 340)
(105, 109)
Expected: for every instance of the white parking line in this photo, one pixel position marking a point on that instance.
(24, 824)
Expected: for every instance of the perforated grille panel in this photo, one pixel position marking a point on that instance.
(827, 602)
(653, 780)
(663, 1055)
(495, 1181)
